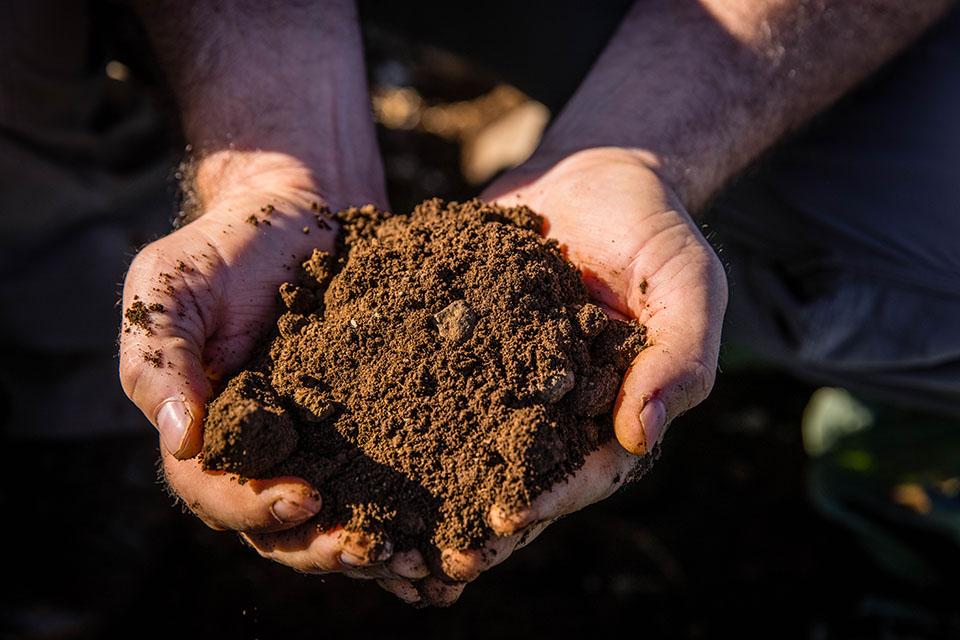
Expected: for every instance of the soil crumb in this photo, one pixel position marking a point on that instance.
(154, 357)
(138, 314)
(447, 360)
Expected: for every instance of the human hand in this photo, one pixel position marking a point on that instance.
(642, 257)
(196, 302)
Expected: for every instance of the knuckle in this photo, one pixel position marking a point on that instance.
(196, 508)
(269, 554)
(131, 370)
(717, 275)
(701, 380)
(313, 569)
(265, 544)
(210, 522)
(145, 261)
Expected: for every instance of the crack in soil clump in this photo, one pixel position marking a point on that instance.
(448, 360)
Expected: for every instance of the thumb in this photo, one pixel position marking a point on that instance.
(675, 372)
(658, 387)
(160, 366)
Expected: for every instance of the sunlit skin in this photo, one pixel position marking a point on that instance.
(217, 280)
(663, 274)
(656, 129)
(221, 296)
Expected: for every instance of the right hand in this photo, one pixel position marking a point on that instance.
(643, 258)
(208, 292)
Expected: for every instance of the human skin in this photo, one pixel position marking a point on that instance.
(268, 100)
(686, 94)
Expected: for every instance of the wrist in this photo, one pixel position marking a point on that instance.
(229, 175)
(225, 175)
(271, 98)
(551, 166)
(257, 196)
(564, 152)
(563, 159)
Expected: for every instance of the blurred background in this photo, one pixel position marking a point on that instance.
(778, 509)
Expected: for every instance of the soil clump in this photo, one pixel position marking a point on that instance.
(445, 361)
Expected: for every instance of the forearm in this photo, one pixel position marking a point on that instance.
(698, 89)
(270, 91)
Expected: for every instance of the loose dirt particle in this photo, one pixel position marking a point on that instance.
(138, 315)
(455, 321)
(447, 361)
(154, 357)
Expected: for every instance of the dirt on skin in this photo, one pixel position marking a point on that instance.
(138, 315)
(448, 360)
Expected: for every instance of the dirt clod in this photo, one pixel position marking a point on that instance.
(448, 360)
(138, 314)
(248, 430)
(154, 357)
(455, 321)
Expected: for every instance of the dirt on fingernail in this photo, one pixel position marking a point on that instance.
(447, 360)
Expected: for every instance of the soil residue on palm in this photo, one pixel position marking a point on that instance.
(446, 361)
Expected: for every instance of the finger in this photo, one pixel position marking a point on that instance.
(358, 549)
(465, 565)
(305, 548)
(310, 549)
(257, 505)
(403, 589)
(506, 521)
(160, 354)
(409, 564)
(373, 572)
(677, 370)
(602, 473)
(435, 592)
(367, 573)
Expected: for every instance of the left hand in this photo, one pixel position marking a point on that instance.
(641, 257)
(207, 292)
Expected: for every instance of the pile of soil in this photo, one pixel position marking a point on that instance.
(446, 361)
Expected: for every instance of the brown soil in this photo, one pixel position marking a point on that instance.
(138, 314)
(448, 360)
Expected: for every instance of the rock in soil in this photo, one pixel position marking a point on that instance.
(447, 360)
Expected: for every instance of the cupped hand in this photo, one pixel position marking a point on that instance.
(195, 304)
(642, 257)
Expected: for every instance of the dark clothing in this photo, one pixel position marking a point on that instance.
(84, 181)
(844, 245)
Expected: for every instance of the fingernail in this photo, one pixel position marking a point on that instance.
(351, 560)
(287, 511)
(373, 554)
(653, 418)
(173, 420)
